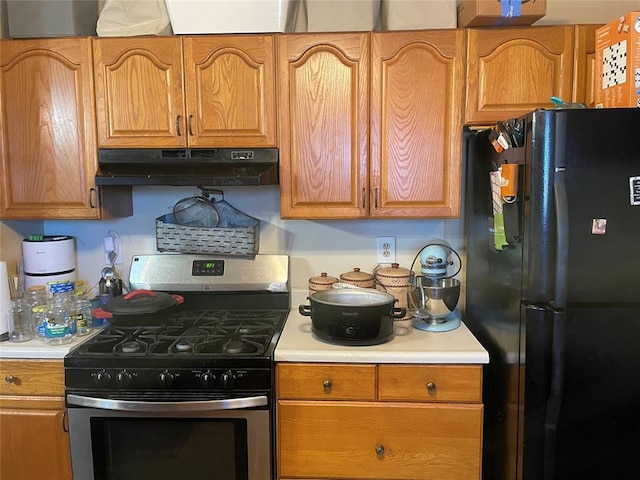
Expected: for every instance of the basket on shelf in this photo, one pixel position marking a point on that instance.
(235, 234)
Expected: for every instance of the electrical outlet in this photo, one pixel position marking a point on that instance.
(386, 249)
(112, 244)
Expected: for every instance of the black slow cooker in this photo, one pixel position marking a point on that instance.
(357, 316)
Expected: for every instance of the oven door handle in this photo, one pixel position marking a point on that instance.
(134, 406)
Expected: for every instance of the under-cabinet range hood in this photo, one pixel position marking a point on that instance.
(186, 167)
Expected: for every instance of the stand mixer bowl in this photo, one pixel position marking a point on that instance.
(433, 299)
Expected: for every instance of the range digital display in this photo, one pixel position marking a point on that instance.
(207, 268)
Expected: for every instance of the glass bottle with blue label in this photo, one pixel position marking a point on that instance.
(59, 317)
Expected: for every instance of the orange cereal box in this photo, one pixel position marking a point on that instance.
(617, 68)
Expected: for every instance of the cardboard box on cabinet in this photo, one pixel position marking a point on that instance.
(417, 14)
(617, 69)
(336, 16)
(500, 13)
(47, 18)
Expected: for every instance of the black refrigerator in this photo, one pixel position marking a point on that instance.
(552, 228)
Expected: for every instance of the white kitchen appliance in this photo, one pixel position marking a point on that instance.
(48, 258)
(5, 302)
(433, 296)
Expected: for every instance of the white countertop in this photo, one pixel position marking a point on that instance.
(409, 345)
(298, 344)
(37, 349)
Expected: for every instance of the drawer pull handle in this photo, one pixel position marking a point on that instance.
(9, 379)
(379, 449)
(431, 387)
(327, 385)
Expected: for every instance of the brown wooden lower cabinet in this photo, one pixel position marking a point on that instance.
(33, 439)
(436, 434)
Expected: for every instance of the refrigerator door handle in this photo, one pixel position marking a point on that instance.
(562, 237)
(554, 402)
(555, 395)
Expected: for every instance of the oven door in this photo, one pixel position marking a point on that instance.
(127, 440)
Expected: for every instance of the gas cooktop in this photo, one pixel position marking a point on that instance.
(196, 333)
(221, 338)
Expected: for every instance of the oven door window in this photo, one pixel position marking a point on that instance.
(161, 448)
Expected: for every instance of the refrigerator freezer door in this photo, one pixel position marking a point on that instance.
(599, 423)
(597, 153)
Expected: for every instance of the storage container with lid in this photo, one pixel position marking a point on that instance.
(358, 278)
(395, 280)
(324, 281)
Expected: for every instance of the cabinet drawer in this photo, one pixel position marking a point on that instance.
(379, 440)
(430, 383)
(32, 377)
(326, 381)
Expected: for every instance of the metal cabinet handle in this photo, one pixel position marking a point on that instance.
(178, 120)
(364, 198)
(92, 198)
(431, 387)
(375, 198)
(9, 379)
(190, 125)
(379, 449)
(327, 385)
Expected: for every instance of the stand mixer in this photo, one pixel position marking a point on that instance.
(433, 296)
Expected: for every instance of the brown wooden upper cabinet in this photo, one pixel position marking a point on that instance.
(511, 71)
(192, 91)
(370, 124)
(585, 65)
(47, 133)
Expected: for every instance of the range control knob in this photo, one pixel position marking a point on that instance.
(166, 378)
(207, 379)
(227, 380)
(123, 378)
(351, 331)
(102, 378)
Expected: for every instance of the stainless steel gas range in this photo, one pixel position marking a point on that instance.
(190, 394)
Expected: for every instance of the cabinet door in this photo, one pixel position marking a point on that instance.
(584, 65)
(323, 96)
(33, 438)
(379, 440)
(230, 90)
(47, 133)
(511, 71)
(417, 91)
(139, 94)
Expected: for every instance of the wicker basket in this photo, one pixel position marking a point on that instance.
(238, 234)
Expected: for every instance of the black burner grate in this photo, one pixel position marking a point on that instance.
(191, 333)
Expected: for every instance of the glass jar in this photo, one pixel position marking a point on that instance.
(36, 298)
(84, 322)
(20, 321)
(59, 316)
